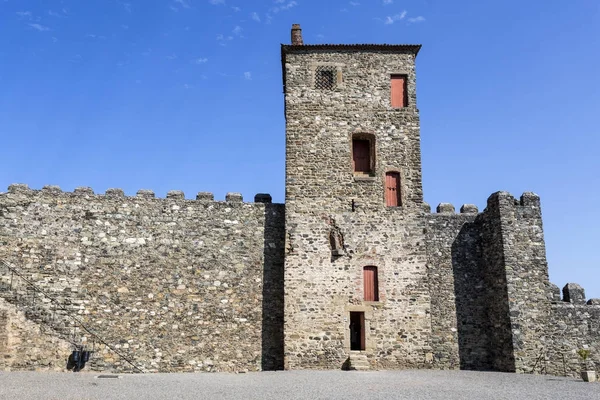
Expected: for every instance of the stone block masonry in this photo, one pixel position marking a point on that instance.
(27, 346)
(177, 285)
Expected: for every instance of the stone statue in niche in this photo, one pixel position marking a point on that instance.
(336, 240)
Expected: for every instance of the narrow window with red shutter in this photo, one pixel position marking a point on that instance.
(398, 88)
(371, 283)
(392, 189)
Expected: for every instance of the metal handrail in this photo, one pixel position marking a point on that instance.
(68, 314)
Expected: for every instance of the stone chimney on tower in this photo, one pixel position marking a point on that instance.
(297, 35)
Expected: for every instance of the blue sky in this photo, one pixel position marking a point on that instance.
(187, 94)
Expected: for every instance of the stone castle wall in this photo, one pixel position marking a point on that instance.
(486, 268)
(494, 308)
(175, 284)
(457, 310)
(573, 326)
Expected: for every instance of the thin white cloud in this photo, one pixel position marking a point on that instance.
(200, 60)
(127, 7)
(284, 6)
(38, 27)
(354, 3)
(187, 86)
(398, 17)
(255, 16)
(216, 2)
(248, 76)
(236, 9)
(416, 19)
(56, 14)
(24, 14)
(222, 39)
(278, 1)
(94, 36)
(237, 30)
(387, 2)
(182, 3)
(172, 57)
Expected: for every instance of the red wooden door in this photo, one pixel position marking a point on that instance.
(361, 153)
(392, 189)
(371, 284)
(398, 91)
(363, 344)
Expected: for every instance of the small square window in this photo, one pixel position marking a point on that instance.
(325, 78)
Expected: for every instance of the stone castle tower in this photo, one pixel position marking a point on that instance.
(355, 272)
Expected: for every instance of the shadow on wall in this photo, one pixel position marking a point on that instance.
(470, 299)
(273, 289)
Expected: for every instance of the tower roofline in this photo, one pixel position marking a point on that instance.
(413, 48)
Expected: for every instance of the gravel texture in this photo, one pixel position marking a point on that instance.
(411, 384)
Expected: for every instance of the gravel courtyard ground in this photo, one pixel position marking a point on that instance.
(414, 385)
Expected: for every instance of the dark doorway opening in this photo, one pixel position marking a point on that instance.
(357, 330)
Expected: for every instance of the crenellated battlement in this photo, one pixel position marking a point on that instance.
(572, 293)
(448, 209)
(527, 199)
(53, 190)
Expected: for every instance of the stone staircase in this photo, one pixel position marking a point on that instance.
(358, 361)
(57, 316)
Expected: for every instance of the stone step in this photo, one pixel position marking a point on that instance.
(359, 362)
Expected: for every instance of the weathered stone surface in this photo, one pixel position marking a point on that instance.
(84, 190)
(115, 193)
(175, 194)
(174, 284)
(234, 198)
(18, 187)
(573, 293)
(554, 293)
(207, 196)
(145, 193)
(445, 208)
(52, 189)
(469, 209)
(263, 198)
(26, 346)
